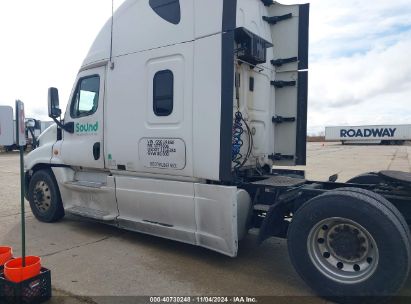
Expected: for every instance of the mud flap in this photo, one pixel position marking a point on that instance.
(273, 224)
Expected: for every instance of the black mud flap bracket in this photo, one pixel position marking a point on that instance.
(275, 19)
(279, 84)
(274, 224)
(282, 61)
(280, 119)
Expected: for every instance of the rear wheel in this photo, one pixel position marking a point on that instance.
(385, 202)
(349, 247)
(44, 197)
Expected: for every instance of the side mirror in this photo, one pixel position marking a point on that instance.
(53, 103)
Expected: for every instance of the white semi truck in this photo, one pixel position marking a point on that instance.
(374, 134)
(177, 116)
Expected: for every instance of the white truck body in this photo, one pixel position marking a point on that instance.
(178, 114)
(138, 162)
(369, 134)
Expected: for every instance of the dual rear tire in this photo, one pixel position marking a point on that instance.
(350, 245)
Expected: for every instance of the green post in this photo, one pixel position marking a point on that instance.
(23, 222)
(19, 124)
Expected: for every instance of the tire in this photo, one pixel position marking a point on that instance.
(44, 197)
(373, 231)
(382, 200)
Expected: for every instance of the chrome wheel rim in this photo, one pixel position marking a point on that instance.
(42, 196)
(343, 250)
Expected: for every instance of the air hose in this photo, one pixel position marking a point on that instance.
(237, 142)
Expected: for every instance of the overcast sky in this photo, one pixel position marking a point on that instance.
(360, 66)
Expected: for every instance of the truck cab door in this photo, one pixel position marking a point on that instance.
(85, 112)
(289, 30)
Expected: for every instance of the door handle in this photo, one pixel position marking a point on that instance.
(96, 150)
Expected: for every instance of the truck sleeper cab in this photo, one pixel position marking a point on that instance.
(175, 134)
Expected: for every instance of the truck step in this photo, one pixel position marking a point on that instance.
(91, 213)
(260, 207)
(278, 181)
(85, 185)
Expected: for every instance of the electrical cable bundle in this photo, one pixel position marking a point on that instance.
(250, 143)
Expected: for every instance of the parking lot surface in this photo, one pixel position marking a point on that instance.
(90, 261)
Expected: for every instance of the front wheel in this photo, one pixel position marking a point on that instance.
(349, 247)
(44, 197)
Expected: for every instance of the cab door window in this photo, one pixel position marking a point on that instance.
(85, 99)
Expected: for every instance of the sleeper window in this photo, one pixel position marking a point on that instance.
(85, 100)
(169, 10)
(163, 93)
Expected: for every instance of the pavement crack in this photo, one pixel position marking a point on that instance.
(82, 299)
(27, 214)
(75, 247)
(394, 156)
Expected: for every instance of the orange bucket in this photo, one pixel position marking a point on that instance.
(6, 253)
(15, 272)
